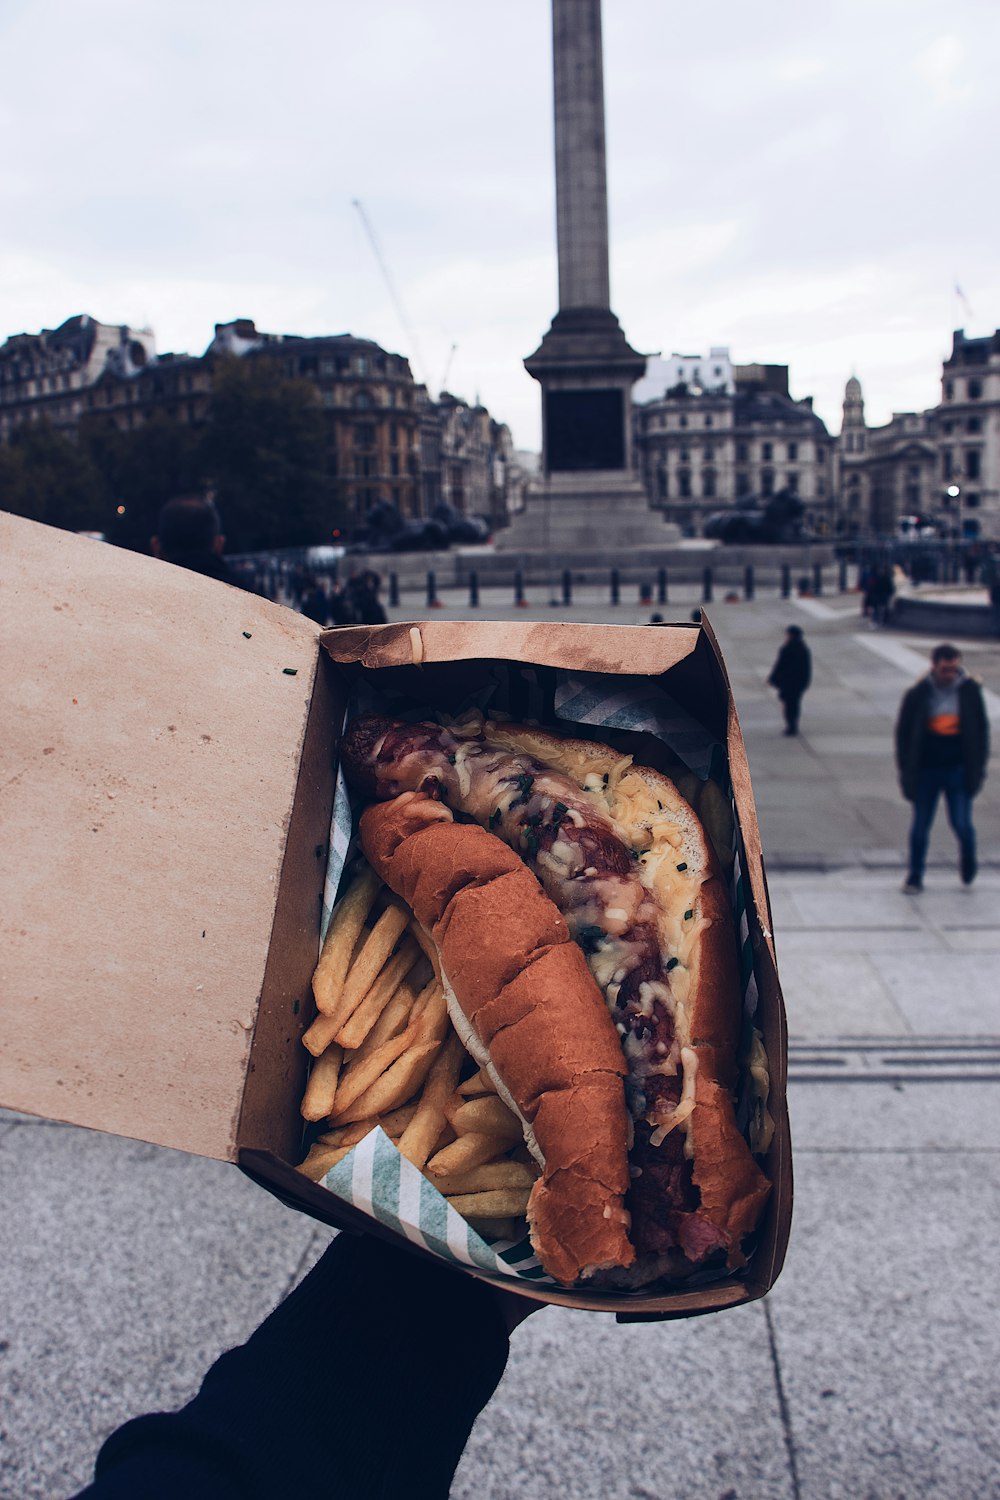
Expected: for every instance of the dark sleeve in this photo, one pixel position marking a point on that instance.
(904, 729)
(365, 1382)
(981, 739)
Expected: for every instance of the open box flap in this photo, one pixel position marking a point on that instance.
(154, 723)
(593, 648)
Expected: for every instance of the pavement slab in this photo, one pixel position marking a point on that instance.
(869, 1372)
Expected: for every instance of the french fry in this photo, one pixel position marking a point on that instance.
(495, 1229)
(496, 1204)
(431, 1011)
(359, 1076)
(479, 1083)
(366, 964)
(397, 1084)
(354, 1031)
(428, 944)
(466, 1152)
(345, 926)
(317, 1101)
(321, 1159)
(492, 1174)
(486, 1116)
(323, 1030)
(395, 1018)
(422, 1134)
(393, 1123)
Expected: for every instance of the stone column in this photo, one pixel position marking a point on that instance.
(581, 177)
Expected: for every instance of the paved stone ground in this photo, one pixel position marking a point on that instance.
(868, 1373)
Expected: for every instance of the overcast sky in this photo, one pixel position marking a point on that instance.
(805, 183)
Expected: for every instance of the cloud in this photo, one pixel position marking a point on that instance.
(941, 66)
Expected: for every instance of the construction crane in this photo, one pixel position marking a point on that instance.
(447, 369)
(397, 304)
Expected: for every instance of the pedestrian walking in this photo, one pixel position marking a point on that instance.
(882, 592)
(942, 746)
(791, 675)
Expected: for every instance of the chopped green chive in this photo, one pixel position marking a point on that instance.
(682, 867)
(688, 915)
(672, 963)
(590, 938)
(290, 671)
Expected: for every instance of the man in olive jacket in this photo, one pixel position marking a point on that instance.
(942, 745)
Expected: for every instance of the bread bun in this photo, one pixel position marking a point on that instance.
(525, 992)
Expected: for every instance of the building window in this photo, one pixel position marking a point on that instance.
(362, 364)
(972, 463)
(708, 452)
(949, 390)
(364, 399)
(975, 390)
(767, 452)
(364, 435)
(947, 463)
(973, 424)
(946, 427)
(793, 452)
(709, 420)
(661, 483)
(742, 453)
(742, 484)
(767, 481)
(972, 501)
(684, 483)
(792, 482)
(708, 483)
(849, 443)
(683, 421)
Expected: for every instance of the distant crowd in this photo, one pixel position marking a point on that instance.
(326, 599)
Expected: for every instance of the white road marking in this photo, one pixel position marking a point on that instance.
(817, 609)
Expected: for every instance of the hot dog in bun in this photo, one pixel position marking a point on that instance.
(625, 862)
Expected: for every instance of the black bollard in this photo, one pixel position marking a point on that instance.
(748, 581)
(473, 590)
(394, 590)
(706, 586)
(842, 577)
(567, 586)
(519, 598)
(615, 591)
(786, 581)
(645, 593)
(817, 579)
(432, 598)
(661, 586)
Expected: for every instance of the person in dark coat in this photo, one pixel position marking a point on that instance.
(189, 534)
(791, 675)
(362, 592)
(942, 745)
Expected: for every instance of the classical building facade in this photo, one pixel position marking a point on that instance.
(701, 448)
(387, 440)
(968, 434)
(48, 376)
(941, 466)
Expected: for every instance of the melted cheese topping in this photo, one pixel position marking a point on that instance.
(644, 823)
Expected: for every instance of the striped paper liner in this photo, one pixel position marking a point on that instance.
(373, 1176)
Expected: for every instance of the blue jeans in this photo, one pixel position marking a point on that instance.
(930, 785)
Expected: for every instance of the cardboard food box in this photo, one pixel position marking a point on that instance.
(168, 784)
